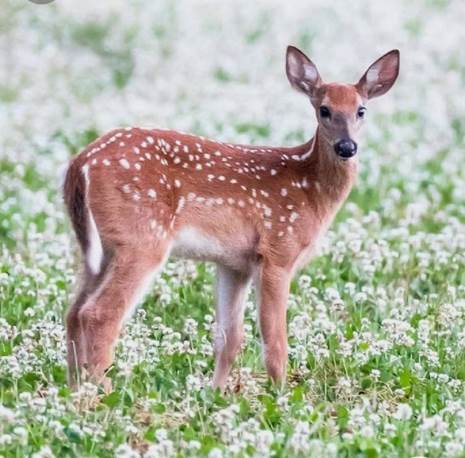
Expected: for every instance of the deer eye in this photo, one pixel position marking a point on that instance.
(361, 112)
(324, 112)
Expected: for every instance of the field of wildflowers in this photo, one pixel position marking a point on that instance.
(376, 323)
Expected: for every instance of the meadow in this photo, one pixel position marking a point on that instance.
(376, 322)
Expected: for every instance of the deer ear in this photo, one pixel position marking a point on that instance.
(301, 71)
(380, 76)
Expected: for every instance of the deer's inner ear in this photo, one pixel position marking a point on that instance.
(380, 76)
(301, 71)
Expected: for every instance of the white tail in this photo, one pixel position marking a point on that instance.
(135, 196)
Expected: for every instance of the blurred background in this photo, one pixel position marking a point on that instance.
(216, 68)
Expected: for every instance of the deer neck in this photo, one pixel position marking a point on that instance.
(329, 178)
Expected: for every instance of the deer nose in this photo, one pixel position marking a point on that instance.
(345, 148)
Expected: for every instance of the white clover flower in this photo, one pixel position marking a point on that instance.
(194, 445)
(6, 439)
(454, 448)
(126, 451)
(404, 412)
(300, 440)
(44, 452)
(367, 431)
(434, 423)
(163, 449)
(264, 439)
(194, 383)
(7, 415)
(190, 326)
(215, 453)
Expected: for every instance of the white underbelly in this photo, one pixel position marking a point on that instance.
(191, 243)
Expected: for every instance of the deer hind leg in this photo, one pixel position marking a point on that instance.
(232, 287)
(274, 291)
(76, 352)
(101, 317)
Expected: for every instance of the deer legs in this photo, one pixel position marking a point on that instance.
(273, 284)
(74, 337)
(232, 287)
(95, 320)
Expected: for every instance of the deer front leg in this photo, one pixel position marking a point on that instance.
(232, 287)
(274, 291)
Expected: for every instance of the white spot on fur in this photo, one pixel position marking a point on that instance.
(124, 163)
(181, 203)
(293, 217)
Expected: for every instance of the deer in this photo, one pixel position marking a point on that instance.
(136, 196)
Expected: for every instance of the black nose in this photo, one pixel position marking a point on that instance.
(345, 148)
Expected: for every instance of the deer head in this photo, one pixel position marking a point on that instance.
(341, 108)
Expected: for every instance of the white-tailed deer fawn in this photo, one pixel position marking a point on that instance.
(136, 196)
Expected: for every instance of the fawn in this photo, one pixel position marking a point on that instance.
(136, 196)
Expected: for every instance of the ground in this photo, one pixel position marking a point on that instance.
(376, 323)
